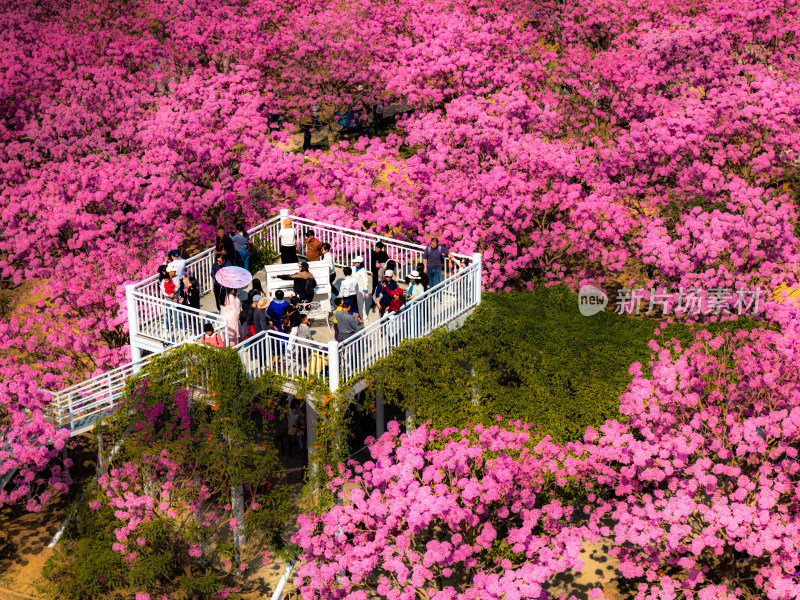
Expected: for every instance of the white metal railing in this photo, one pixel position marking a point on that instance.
(435, 308)
(170, 322)
(200, 265)
(346, 244)
(287, 356)
(78, 407)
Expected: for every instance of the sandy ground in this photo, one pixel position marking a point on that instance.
(24, 536)
(599, 571)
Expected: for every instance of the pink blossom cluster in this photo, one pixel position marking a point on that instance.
(703, 472)
(452, 514)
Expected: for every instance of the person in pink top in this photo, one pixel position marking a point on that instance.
(230, 312)
(209, 338)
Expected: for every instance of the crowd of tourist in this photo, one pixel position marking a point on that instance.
(360, 292)
(360, 295)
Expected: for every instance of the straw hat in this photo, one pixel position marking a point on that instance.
(287, 222)
(262, 304)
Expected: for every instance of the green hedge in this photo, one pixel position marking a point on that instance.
(535, 358)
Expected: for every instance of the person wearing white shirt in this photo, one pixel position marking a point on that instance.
(288, 242)
(348, 290)
(327, 258)
(364, 296)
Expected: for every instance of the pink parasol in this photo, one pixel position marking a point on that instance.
(233, 277)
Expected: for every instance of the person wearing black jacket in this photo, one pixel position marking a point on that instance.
(224, 246)
(304, 283)
(378, 261)
(247, 315)
(189, 292)
(219, 263)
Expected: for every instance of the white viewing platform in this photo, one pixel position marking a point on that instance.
(339, 365)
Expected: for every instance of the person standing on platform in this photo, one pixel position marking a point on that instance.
(174, 257)
(384, 291)
(313, 247)
(349, 288)
(327, 258)
(219, 263)
(432, 259)
(230, 310)
(276, 310)
(224, 246)
(261, 321)
(241, 243)
(348, 323)
(364, 297)
(288, 242)
(379, 260)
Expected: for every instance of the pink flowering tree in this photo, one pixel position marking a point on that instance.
(30, 447)
(701, 478)
(446, 514)
(190, 488)
(585, 142)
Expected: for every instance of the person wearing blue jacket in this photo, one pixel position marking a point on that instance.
(276, 309)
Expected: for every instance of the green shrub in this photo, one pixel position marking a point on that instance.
(260, 257)
(83, 565)
(534, 358)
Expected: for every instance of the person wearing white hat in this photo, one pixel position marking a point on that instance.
(385, 290)
(415, 284)
(175, 270)
(362, 277)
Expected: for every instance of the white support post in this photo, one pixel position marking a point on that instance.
(311, 437)
(133, 322)
(410, 414)
(380, 419)
(237, 503)
(333, 365)
(477, 259)
(101, 463)
(284, 212)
